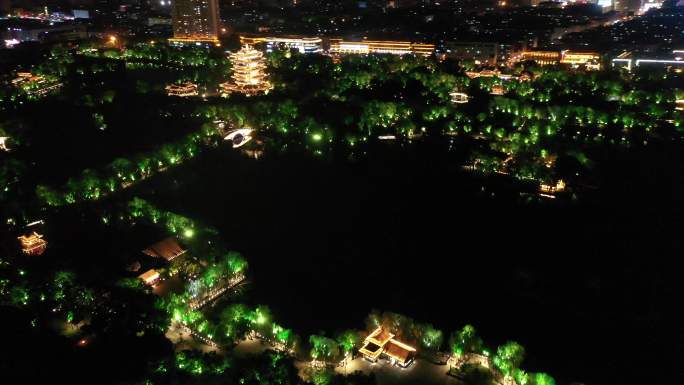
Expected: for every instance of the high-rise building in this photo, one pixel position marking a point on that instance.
(195, 21)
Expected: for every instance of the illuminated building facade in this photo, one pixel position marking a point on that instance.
(542, 58)
(302, 44)
(195, 22)
(381, 343)
(249, 73)
(32, 244)
(182, 90)
(629, 61)
(364, 47)
(591, 60)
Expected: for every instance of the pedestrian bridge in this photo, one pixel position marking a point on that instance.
(239, 137)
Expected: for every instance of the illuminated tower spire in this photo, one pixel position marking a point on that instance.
(249, 73)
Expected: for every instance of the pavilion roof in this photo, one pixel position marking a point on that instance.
(398, 350)
(168, 249)
(379, 336)
(370, 349)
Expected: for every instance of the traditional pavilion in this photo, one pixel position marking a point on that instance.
(150, 277)
(32, 244)
(498, 89)
(182, 90)
(249, 73)
(381, 343)
(168, 249)
(458, 97)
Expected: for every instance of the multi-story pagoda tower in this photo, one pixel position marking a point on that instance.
(249, 73)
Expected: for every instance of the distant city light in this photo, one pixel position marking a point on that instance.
(11, 43)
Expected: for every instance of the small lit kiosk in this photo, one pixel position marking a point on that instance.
(33, 244)
(150, 277)
(249, 73)
(182, 90)
(381, 343)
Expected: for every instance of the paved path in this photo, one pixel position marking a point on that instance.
(250, 347)
(183, 340)
(420, 372)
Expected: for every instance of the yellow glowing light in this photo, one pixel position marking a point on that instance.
(182, 90)
(149, 277)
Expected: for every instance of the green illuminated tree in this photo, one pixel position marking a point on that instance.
(542, 379)
(348, 340)
(466, 340)
(430, 338)
(324, 349)
(509, 357)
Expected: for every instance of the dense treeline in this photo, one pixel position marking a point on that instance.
(547, 124)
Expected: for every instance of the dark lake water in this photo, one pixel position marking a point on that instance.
(588, 287)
